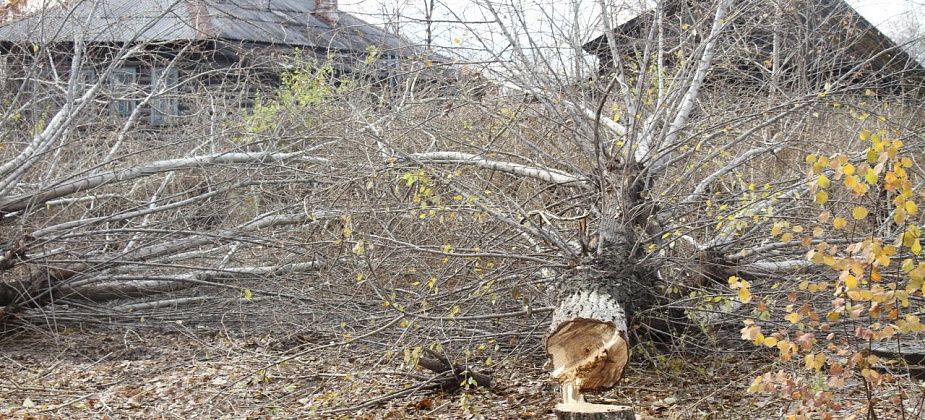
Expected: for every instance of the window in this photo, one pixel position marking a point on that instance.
(123, 82)
(86, 77)
(4, 69)
(164, 104)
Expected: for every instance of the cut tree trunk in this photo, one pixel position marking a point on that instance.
(587, 343)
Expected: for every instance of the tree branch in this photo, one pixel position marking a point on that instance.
(24, 201)
(544, 174)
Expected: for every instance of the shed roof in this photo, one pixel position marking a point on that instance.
(283, 22)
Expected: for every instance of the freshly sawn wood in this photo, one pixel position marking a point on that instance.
(588, 411)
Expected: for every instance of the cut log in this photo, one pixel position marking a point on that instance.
(587, 343)
(588, 411)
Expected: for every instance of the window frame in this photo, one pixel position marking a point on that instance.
(123, 81)
(165, 106)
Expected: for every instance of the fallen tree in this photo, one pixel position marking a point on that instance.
(632, 211)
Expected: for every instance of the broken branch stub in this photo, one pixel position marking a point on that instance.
(455, 375)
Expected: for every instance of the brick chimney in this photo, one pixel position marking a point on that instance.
(327, 10)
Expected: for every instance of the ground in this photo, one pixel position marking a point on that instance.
(182, 373)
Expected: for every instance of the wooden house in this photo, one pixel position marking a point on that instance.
(172, 41)
(795, 44)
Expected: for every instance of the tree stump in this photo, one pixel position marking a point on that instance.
(587, 411)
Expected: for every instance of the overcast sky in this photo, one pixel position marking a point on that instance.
(883, 13)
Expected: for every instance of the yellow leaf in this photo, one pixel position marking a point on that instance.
(818, 232)
(911, 207)
(793, 317)
(815, 361)
(883, 260)
(770, 341)
(899, 216)
(821, 197)
(907, 238)
(918, 274)
(871, 176)
(733, 282)
(916, 247)
(755, 386)
(775, 230)
(744, 295)
(851, 282)
(848, 169)
(787, 237)
(823, 181)
(860, 212)
(839, 222)
(248, 294)
(359, 248)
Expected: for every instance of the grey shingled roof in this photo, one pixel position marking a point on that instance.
(284, 22)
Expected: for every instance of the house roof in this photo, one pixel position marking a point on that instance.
(868, 41)
(283, 22)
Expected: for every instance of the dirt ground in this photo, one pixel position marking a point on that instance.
(176, 373)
